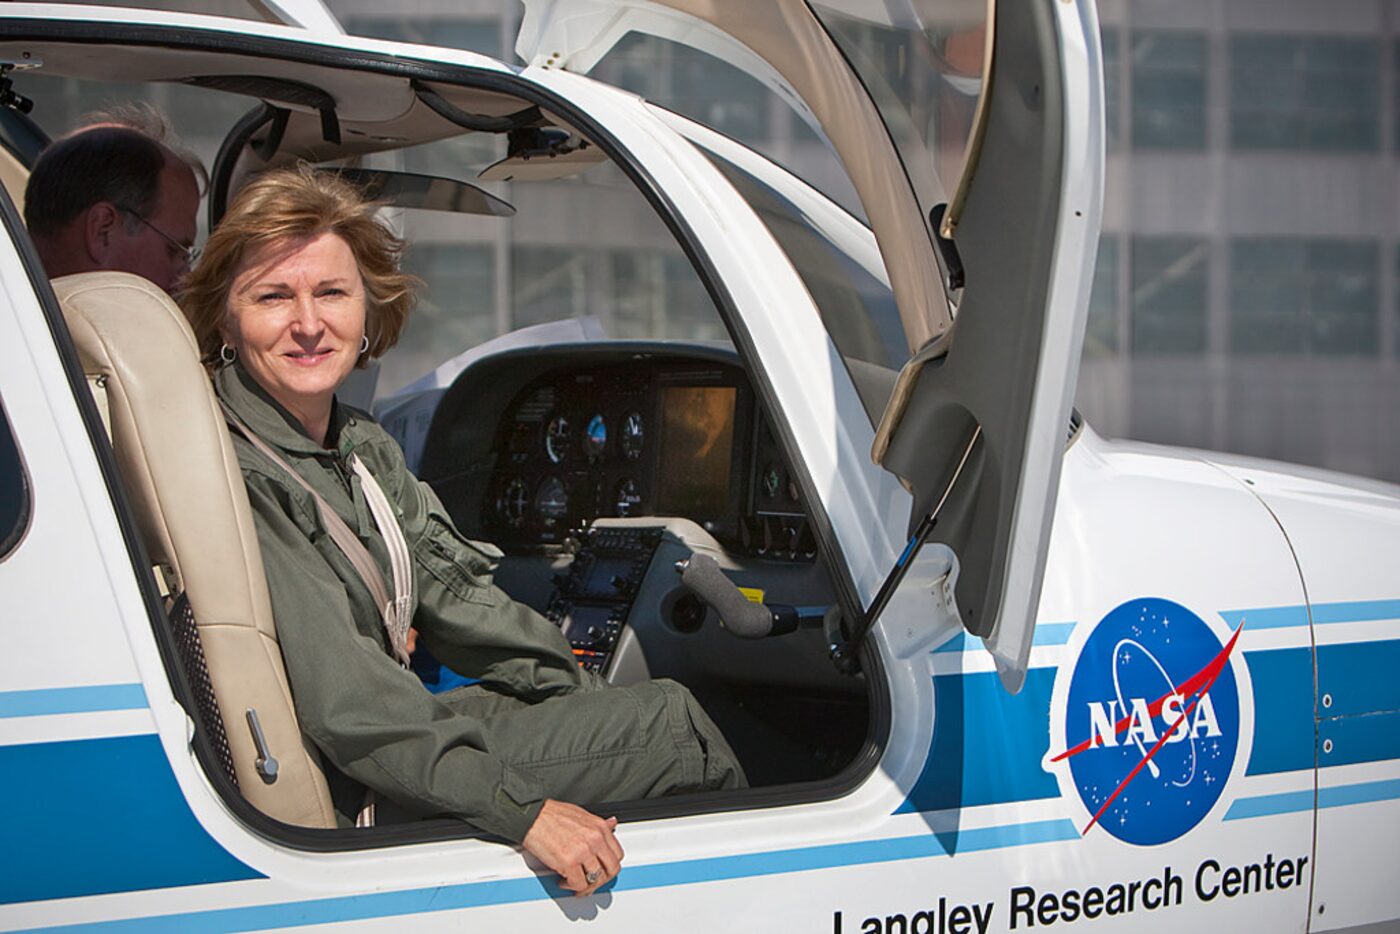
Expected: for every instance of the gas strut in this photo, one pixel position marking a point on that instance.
(845, 653)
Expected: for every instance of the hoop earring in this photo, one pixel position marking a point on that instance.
(364, 344)
(227, 354)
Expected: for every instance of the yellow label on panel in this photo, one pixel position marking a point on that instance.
(753, 594)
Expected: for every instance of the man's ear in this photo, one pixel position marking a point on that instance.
(100, 228)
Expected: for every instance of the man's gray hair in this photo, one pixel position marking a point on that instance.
(115, 155)
(148, 120)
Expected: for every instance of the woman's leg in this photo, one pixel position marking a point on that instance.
(618, 744)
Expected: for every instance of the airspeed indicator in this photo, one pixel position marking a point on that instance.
(556, 439)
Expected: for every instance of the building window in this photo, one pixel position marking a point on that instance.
(1169, 295)
(1112, 87)
(634, 293)
(455, 309)
(14, 490)
(1396, 348)
(552, 283)
(1291, 296)
(659, 296)
(199, 117)
(1304, 92)
(1101, 332)
(1395, 91)
(700, 86)
(1169, 90)
(452, 32)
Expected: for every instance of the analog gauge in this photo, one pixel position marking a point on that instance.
(556, 438)
(513, 503)
(632, 436)
(595, 438)
(772, 481)
(552, 501)
(628, 498)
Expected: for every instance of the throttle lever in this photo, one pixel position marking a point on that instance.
(737, 613)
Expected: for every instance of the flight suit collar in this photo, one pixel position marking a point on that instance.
(271, 421)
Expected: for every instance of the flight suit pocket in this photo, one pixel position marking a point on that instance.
(463, 566)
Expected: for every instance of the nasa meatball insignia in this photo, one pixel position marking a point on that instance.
(1152, 722)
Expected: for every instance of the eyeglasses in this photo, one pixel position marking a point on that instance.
(189, 254)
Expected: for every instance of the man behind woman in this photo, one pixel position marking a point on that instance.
(117, 193)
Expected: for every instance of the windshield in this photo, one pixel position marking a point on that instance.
(586, 248)
(921, 61)
(837, 259)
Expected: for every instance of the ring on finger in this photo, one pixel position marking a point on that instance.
(592, 877)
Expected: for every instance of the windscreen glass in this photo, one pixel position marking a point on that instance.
(725, 98)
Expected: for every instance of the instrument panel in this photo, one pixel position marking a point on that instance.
(630, 439)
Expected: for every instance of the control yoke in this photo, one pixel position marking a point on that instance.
(737, 614)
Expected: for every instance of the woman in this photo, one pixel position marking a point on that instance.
(298, 286)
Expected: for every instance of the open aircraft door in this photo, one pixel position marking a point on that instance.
(972, 132)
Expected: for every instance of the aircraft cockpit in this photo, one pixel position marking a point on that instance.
(567, 386)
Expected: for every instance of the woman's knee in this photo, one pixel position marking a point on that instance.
(721, 768)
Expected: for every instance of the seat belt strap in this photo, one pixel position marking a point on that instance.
(394, 610)
(381, 510)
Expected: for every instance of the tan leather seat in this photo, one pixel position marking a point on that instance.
(182, 477)
(15, 177)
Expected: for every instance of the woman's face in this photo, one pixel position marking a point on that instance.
(296, 316)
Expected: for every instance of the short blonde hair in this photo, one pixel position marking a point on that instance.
(291, 205)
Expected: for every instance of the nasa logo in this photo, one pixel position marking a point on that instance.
(1152, 722)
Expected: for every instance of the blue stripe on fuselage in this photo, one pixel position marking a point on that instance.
(1284, 728)
(1359, 677)
(991, 751)
(1362, 720)
(1323, 614)
(89, 817)
(88, 698)
(1368, 737)
(1335, 796)
(1045, 634)
(987, 744)
(633, 878)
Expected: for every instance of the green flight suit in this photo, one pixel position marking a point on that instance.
(536, 727)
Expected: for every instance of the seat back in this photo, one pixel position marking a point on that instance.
(182, 477)
(14, 177)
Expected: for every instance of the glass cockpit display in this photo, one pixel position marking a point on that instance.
(679, 438)
(697, 448)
